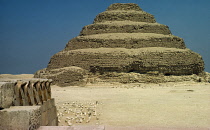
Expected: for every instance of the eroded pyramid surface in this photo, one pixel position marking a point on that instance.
(125, 39)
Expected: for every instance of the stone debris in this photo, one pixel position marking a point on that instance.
(71, 113)
(125, 40)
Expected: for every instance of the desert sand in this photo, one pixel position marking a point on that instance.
(18, 76)
(169, 105)
(182, 105)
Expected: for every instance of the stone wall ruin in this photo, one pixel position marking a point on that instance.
(26, 104)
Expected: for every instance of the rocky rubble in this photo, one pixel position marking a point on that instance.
(71, 113)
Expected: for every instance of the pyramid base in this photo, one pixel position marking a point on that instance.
(151, 77)
(75, 76)
(67, 76)
(169, 61)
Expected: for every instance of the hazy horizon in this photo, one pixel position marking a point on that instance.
(33, 31)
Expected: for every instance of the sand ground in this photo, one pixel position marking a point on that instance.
(18, 76)
(133, 106)
(169, 105)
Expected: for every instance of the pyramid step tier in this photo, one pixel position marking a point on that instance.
(125, 40)
(168, 61)
(121, 6)
(120, 15)
(125, 27)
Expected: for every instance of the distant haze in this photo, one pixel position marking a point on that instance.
(34, 30)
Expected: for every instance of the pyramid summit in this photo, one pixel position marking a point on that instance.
(122, 41)
(123, 12)
(124, 6)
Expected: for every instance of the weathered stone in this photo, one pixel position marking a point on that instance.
(20, 118)
(164, 60)
(119, 15)
(44, 119)
(120, 6)
(52, 114)
(6, 94)
(54, 122)
(122, 39)
(16, 108)
(125, 40)
(66, 76)
(125, 27)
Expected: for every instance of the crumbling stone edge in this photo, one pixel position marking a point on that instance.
(26, 104)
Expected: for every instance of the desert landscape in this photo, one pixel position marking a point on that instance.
(167, 105)
(182, 105)
(124, 71)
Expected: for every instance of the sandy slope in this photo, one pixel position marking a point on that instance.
(181, 105)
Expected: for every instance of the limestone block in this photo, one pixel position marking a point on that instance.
(20, 118)
(52, 114)
(24, 93)
(44, 118)
(49, 112)
(44, 106)
(51, 103)
(47, 104)
(54, 122)
(6, 94)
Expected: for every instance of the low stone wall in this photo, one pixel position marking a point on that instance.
(20, 118)
(6, 94)
(26, 104)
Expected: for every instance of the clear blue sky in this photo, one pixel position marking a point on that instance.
(31, 31)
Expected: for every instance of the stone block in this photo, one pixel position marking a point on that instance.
(47, 105)
(6, 94)
(49, 112)
(44, 118)
(20, 118)
(52, 114)
(43, 106)
(54, 122)
(52, 102)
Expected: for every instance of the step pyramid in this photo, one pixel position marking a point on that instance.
(125, 39)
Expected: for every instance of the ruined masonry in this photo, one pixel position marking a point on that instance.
(123, 39)
(26, 104)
